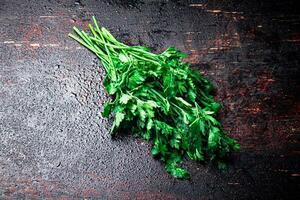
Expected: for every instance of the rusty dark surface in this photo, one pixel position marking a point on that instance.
(55, 145)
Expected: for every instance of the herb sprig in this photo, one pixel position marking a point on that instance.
(159, 98)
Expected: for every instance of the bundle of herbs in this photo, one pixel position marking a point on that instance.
(159, 98)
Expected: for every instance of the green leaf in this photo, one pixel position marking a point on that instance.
(232, 143)
(163, 127)
(185, 117)
(173, 52)
(177, 172)
(111, 88)
(106, 110)
(150, 104)
(208, 112)
(154, 151)
(177, 134)
(125, 98)
(197, 126)
(201, 126)
(149, 124)
(191, 155)
(199, 155)
(235, 146)
(208, 86)
(175, 143)
(213, 138)
(119, 118)
(169, 84)
(192, 95)
(182, 87)
(123, 58)
(147, 135)
(135, 80)
(213, 120)
(215, 106)
(142, 114)
(183, 101)
(180, 173)
(133, 108)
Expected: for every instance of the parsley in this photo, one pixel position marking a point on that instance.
(159, 98)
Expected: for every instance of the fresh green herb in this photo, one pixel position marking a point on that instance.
(159, 98)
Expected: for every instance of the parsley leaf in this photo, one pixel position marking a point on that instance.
(159, 98)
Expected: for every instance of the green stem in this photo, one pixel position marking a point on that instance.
(145, 59)
(82, 42)
(108, 44)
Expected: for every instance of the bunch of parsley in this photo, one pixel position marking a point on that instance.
(159, 98)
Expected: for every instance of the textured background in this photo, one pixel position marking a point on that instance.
(55, 145)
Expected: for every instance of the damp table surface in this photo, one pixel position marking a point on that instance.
(54, 144)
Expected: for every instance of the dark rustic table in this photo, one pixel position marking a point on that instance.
(55, 145)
